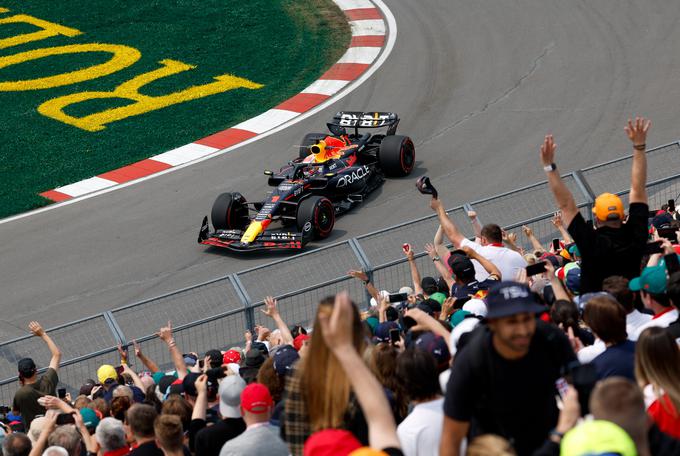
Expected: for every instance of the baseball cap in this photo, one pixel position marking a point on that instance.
(436, 346)
(86, 388)
(462, 267)
(284, 358)
(458, 316)
(26, 367)
(230, 396)
(189, 359)
(331, 442)
(574, 251)
(157, 376)
(165, 382)
(573, 280)
(439, 297)
(433, 304)
(255, 398)
(477, 307)
(552, 258)
(597, 437)
(653, 280)
(662, 220)
(299, 340)
(382, 331)
(608, 207)
(189, 384)
(231, 356)
(511, 298)
(215, 357)
(106, 372)
(90, 418)
(392, 314)
(261, 346)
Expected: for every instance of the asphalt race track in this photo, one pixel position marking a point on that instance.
(477, 84)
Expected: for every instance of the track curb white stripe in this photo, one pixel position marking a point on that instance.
(269, 122)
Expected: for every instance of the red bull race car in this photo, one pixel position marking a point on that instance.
(333, 173)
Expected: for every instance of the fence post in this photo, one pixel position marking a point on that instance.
(585, 188)
(365, 264)
(245, 300)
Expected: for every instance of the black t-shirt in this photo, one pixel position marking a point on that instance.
(610, 251)
(209, 440)
(514, 399)
(146, 449)
(26, 397)
(674, 329)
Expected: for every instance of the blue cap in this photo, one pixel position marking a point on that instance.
(284, 359)
(511, 298)
(382, 331)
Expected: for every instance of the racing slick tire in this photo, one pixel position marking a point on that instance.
(309, 140)
(229, 212)
(318, 211)
(397, 155)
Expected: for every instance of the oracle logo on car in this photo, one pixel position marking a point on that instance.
(349, 179)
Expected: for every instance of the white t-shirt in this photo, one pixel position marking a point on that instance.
(421, 431)
(507, 261)
(634, 320)
(662, 320)
(589, 353)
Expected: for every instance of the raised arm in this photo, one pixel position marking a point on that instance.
(361, 275)
(510, 239)
(488, 266)
(165, 334)
(557, 222)
(450, 229)
(558, 288)
(415, 275)
(337, 333)
(529, 233)
(438, 242)
(439, 264)
(427, 323)
(272, 311)
(637, 133)
(148, 362)
(38, 331)
(563, 197)
(476, 226)
(201, 405)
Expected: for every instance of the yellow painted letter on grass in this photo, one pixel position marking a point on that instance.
(121, 57)
(142, 103)
(49, 29)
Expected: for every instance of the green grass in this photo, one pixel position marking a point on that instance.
(283, 44)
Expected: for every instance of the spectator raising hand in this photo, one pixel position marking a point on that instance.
(271, 310)
(338, 334)
(165, 334)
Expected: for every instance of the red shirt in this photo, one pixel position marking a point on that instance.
(665, 416)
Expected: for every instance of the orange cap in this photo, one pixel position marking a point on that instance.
(608, 207)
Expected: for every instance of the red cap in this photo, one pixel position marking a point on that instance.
(676, 247)
(297, 342)
(331, 442)
(231, 356)
(255, 398)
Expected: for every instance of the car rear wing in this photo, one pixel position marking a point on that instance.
(359, 119)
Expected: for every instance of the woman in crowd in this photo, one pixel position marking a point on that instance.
(383, 364)
(657, 367)
(318, 393)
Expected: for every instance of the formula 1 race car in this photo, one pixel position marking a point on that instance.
(333, 173)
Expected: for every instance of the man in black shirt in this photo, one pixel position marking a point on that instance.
(673, 293)
(503, 380)
(615, 248)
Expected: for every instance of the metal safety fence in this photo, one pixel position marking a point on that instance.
(216, 313)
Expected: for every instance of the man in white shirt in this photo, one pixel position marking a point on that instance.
(617, 286)
(420, 432)
(652, 287)
(490, 247)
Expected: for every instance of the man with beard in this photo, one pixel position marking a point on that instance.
(503, 379)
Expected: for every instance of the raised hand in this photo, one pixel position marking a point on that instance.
(36, 329)
(122, 353)
(248, 336)
(436, 204)
(548, 150)
(528, 232)
(409, 253)
(358, 274)
(511, 238)
(138, 349)
(165, 333)
(472, 215)
(270, 308)
(557, 219)
(576, 343)
(448, 305)
(337, 327)
(202, 384)
(637, 131)
(431, 251)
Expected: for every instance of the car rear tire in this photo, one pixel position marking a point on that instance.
(229, 212)
(318, 211)
(397, 155)
(309, 140)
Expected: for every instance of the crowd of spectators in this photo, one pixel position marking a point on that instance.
(569, 348)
